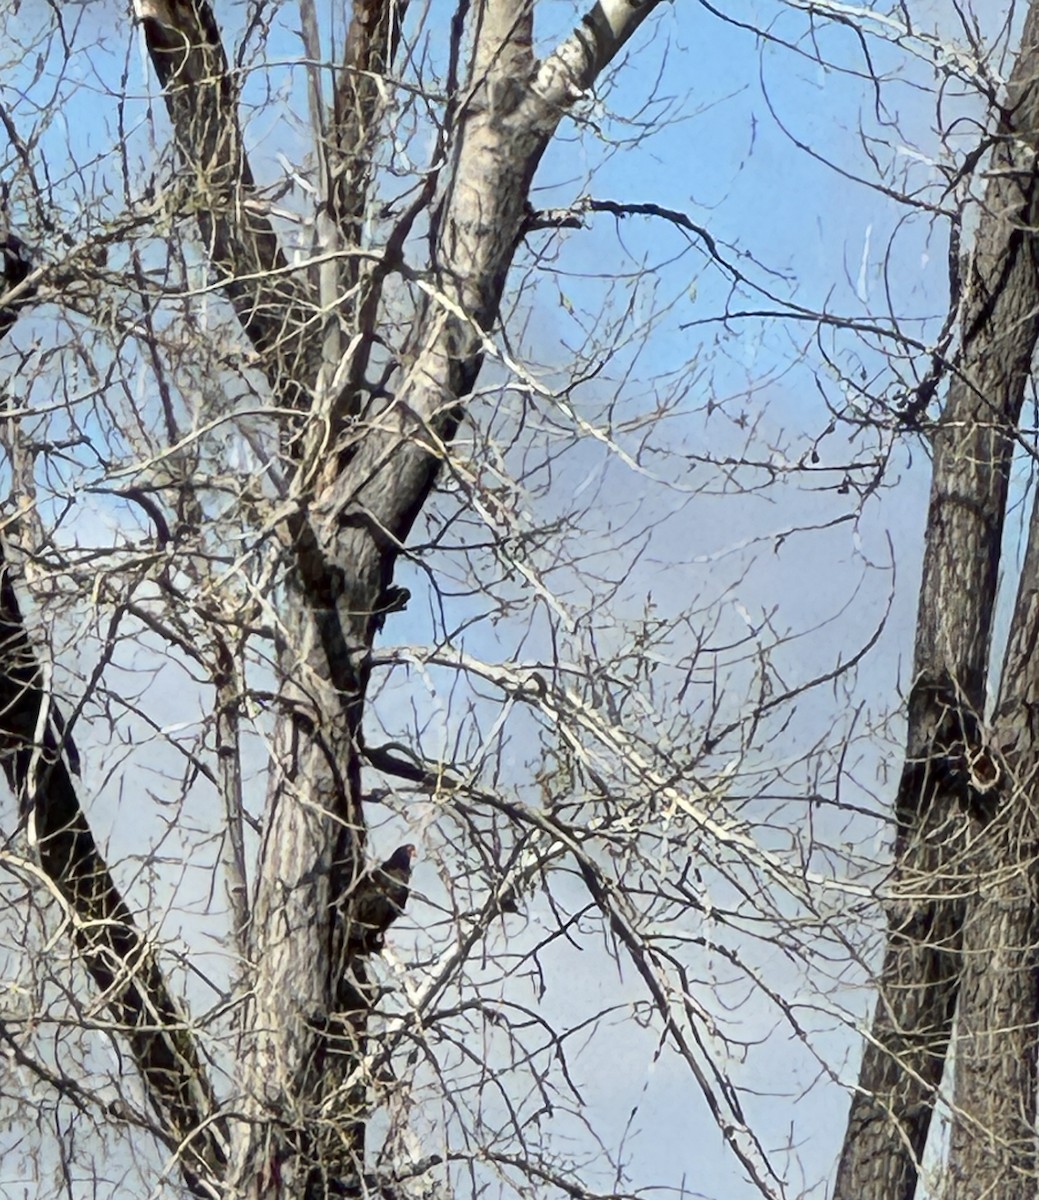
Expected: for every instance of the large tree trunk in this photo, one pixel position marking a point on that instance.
(367, 498)
(973, 444)
(363, 468)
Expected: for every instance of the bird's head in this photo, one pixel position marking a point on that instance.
(401, 858)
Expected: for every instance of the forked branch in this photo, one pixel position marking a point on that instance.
(185, 48)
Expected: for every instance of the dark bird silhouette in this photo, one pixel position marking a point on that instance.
(14, 267)
(15, 259)
(378, 900)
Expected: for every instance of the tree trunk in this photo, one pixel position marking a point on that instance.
(360, 460)
(992, 1149)
(973, 444)
(359, 488)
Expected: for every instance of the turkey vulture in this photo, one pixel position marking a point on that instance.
(378, 900)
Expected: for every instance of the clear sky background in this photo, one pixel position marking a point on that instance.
(708, 117)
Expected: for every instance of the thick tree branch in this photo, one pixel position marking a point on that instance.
(117, 955)
(184, 43)
(578, 62)
(514, 108)
(360, 92)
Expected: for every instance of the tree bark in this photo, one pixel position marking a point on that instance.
(359, 487)
(367, 497)
(992, 1146)
(269, 298)
(973, 443)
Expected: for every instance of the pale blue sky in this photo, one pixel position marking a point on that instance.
(686, 125)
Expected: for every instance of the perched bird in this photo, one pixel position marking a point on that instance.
(14, 267)
(378, 900)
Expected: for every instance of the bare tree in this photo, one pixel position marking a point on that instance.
(319, 554)
(363, 391)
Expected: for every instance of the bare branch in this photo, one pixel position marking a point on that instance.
(118, 956)
(184, 43)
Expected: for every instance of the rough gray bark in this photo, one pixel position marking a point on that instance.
(973, 442)
(992, 1147)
